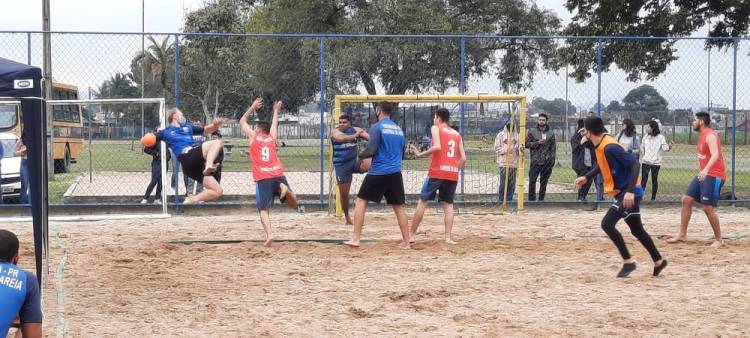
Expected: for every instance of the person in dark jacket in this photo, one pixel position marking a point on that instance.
(541, 143)
(583, 158)
(155, 153)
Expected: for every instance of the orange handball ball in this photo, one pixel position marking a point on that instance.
(148, 140)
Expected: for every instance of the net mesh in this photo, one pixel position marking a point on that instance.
(479, 118)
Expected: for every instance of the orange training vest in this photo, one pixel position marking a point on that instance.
(609, 181)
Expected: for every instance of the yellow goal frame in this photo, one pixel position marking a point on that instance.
(340, 100)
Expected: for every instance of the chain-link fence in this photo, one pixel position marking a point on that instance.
(218, 75)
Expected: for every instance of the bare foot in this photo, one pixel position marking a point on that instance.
(405, 246)
(268, 242)
(450, 241)
(349, 221)
(677, 239)
(283, 189)
(352, 243)
(289, 198)
(717, 243)
(210, 169)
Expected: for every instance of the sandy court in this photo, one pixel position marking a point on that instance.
(547, 272)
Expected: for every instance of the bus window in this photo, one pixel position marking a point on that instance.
(57, 111)
(8, 116)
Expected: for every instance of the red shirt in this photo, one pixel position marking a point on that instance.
(263, 158)
(704, 154)
(444, 163)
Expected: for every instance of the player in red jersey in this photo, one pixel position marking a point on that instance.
(447, 159)
(706, 187)
(268, 172)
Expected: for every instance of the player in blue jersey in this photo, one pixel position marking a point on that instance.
(386, 148)
(199, 160)
(345, 162)
(19, 291)
(620, 170)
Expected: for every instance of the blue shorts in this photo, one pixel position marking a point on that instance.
(445, 190)
(267, 190)
(706, 192)
(345, 171)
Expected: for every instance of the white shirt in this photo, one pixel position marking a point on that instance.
(630, 143)
(651, 149)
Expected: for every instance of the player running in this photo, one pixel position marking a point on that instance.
(620, 170)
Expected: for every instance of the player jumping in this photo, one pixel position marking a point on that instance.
(268, 172)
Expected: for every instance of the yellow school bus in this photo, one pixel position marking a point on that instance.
(67, 125)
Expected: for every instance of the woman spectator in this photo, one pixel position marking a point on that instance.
(628, 138)
(651, 148)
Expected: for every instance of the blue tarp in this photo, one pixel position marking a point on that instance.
(24, 83)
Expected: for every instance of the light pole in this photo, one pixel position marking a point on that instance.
(143, 59)
(47, 76)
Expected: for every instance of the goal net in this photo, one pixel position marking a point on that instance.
(492, 162)
(97, 157)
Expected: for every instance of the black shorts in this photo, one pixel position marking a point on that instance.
(374, 187)
(193, 163)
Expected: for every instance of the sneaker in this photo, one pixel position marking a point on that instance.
(627, 268)
(657, 269)
(144, 201)
(301, 209)
(157, 201)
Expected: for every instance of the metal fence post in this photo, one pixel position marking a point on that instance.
(599, 77)
(462, 88)
(175, 165)
(177, 70)
(28, 48)
(322, 112)
(734, 116)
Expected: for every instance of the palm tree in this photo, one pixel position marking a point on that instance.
(118, 86)
(156, 59)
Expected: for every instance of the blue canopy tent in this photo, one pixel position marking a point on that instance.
(23, 83)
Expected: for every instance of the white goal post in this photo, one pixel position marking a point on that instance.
(162, 124)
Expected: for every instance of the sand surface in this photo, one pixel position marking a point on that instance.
(546, 272)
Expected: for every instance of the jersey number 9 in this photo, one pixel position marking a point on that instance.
(265, 154)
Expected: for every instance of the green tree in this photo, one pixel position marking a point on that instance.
(614, 106)
(644, 103)
(645, 58)
(119, 86)
(399, 66)
(157, 63)
(212, 66)
(555, 108)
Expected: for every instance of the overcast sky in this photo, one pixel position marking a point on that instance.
(123, 15)
(97, 57)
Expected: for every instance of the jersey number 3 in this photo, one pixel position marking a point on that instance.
(451, 149)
